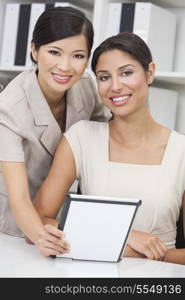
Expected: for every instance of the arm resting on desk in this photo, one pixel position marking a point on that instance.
(176, 256)
(147, 244)
(129, 252)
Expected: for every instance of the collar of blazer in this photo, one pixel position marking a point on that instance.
(42, 114)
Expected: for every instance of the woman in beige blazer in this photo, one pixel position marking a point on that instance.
(37, 106)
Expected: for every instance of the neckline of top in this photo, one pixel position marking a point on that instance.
(139, 165)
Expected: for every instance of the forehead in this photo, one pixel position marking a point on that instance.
(77, 42)
(114, 59)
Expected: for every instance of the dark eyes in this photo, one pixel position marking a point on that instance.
(57, 53)
(107, 77)
(126, 73)
(79, 56)
(103, 78)
(54, 52)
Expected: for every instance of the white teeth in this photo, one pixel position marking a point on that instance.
(62, 77)
(119, 99)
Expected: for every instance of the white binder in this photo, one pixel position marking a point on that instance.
(10, 35)
(113, 19)
(157, 27)
(36, 10)
(154, 24)
(64, 4)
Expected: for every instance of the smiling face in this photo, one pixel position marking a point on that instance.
(61, 64)
(122, 82)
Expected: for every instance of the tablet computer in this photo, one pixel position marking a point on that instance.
(97, 228)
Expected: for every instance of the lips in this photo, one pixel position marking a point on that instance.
(61, 78)
(120, 100)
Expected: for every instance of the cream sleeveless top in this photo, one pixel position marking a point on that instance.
(160, 187)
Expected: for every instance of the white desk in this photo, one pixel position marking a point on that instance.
(18, 259)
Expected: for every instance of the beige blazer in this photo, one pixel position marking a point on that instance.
(29, 132)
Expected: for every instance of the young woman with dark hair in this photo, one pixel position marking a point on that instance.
(136, 157)
(37, 107)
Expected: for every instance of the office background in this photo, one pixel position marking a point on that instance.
(167, 96)
(168, 86)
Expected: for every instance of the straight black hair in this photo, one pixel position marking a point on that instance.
(126, 42)
(59, 23)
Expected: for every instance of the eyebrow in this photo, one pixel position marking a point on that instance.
(60, 49)
(122, 67)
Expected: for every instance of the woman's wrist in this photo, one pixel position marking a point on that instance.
(51, 221)
(176, 256)
(130, 252)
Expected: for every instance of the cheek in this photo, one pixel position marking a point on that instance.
(103, 89)
(80, 67)
(142, 93)
(43, 64)
(143, 87)
(140, 85)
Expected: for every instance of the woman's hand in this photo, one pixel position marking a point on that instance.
(27, 240)
(51, 241)
(148, 244)
(130, 252)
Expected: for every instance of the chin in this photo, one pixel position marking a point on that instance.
(62, 87)
(121, 114)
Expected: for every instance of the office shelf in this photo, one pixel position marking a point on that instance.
(170, 77)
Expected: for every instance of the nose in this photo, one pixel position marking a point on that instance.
(64, 63)
(116, 84)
